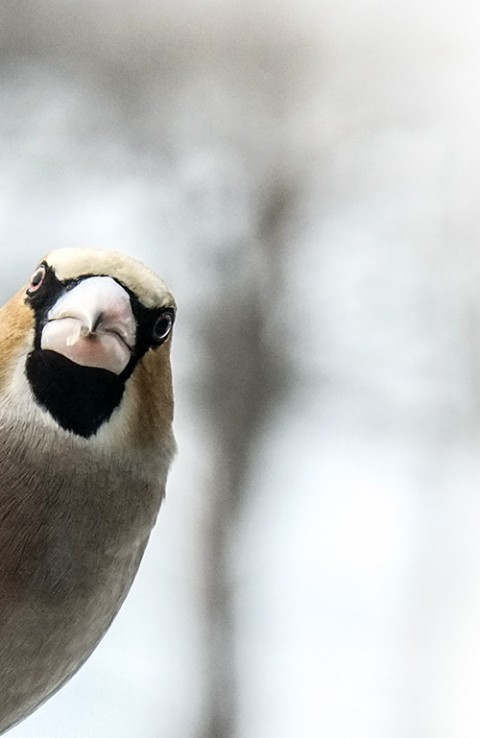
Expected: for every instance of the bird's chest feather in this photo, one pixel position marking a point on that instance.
(73, 528)
(72, 524)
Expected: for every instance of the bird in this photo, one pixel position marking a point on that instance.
(86, 439)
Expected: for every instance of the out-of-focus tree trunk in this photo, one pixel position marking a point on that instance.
(245, 377)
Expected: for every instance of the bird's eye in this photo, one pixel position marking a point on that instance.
(37, 279)
(162, 326)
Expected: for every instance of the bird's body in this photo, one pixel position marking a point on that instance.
(85, 452)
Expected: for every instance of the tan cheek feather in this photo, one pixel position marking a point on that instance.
(17, 323)
(152, 380)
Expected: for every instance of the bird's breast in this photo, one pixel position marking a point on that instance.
(73, 527)
(68, 515)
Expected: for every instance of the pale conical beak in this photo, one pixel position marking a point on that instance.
(92, 325)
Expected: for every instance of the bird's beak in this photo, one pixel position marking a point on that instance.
(92, 325)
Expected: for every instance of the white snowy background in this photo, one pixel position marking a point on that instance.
(306, 177)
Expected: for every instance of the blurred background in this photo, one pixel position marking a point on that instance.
(305, 176)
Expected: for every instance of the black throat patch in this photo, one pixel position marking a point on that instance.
(80, 398)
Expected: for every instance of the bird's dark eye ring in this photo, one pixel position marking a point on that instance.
(37, 279)
(162, 326)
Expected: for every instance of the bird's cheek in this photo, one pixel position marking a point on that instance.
(102, 350)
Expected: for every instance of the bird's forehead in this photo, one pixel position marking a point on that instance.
(145, 284)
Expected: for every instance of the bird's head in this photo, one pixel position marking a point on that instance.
(87, 342)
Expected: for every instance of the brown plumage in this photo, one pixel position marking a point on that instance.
(86, 410)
